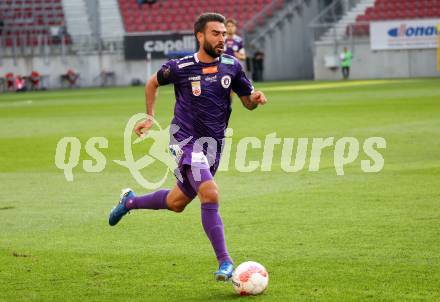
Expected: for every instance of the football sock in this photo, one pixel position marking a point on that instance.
(213, 226)
(211, 220)
(152, 201)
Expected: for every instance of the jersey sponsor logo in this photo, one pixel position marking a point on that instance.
(183, 65)
(197, 78)
(211, 78)
(227, 61)
(226, 81)
(209, 70)
(196, 88)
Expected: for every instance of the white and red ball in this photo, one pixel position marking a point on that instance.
(250, 278)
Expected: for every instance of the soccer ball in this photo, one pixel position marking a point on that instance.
(250, 278)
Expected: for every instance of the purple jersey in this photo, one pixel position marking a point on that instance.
(203, 94)
(232, 45)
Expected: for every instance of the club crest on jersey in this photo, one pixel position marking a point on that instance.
(196, 88)
(226, 81)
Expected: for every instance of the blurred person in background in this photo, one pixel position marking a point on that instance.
(2, 24)
(258, 66)
(234, 43)
(72, 77)
(346, 58)
(149, 2)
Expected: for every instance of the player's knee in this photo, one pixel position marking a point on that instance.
(177, 201)
(209, 193)
(177, 207)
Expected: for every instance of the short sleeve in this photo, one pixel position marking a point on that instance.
(240, 46)
(241, 84)
(167, 74)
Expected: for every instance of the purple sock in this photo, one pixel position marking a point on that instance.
(213, 225)
(153, 201)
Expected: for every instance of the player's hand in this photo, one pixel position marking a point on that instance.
(258, 97)
(143, 127)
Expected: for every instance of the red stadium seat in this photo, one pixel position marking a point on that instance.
(27, 17)
(179, 15)
(396, 9)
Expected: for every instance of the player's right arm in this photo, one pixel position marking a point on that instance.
(151, 88)
(165, 75)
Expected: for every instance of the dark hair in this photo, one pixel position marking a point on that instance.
(233, 21)
(201, 21)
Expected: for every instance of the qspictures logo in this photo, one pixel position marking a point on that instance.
(346, 150)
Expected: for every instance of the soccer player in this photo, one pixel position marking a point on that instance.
(202, 85)
(234, 43)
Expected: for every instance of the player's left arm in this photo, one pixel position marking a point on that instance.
(252, 101)
(241, 85)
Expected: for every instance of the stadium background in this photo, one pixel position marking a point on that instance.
(322, 237)
(104, 41)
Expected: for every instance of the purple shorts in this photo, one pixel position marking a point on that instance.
(194, 168)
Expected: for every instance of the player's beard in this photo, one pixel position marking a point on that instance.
(211, 51)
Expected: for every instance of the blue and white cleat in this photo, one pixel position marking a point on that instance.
(224, 272)
(120, 210)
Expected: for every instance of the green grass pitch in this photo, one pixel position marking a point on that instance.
(322, 237)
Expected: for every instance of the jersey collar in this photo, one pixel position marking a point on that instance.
(196, 58)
